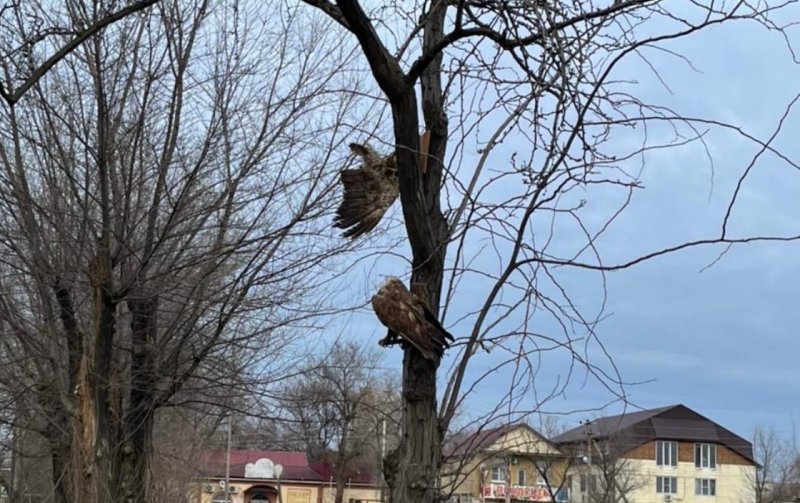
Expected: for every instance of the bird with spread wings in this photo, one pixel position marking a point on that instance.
(369, 191)
(408, 318)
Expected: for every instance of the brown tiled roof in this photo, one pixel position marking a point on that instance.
(327, 473)
(471, 443)
(675, 422)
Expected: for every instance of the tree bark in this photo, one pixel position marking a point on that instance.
(134, 457)
(420, 454)
(418, 459)
(341, 467)
(93, 433)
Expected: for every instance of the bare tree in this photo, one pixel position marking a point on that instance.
(24, 27)
(543, 73)
(777, 478)
(338, 410)
(164, 203)
(603, 472)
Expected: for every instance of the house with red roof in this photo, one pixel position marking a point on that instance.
(259, 476)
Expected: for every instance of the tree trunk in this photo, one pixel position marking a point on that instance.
(57, 434)
(417, 461)
(134, 457)
(61, 427)
(341, 464)
(93, 431)
(412, 471)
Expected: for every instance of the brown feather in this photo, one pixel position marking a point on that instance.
(405, 314)
(369, 191)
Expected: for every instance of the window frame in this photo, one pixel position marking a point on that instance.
(661, 487)
(541, 473)
(501, 471)
(710, 488)
(707, 452)
(522, 477)
(587, 483)
(671, 452)
(220, 496)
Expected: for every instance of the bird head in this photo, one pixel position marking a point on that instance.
(392, 283)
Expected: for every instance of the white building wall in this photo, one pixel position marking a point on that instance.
(733, 483)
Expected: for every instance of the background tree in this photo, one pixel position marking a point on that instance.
(21, 44)
(605, 471)
(160, 190)
(342, 409)
(777, 479)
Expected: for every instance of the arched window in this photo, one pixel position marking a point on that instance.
(258, 497)
(219, 498)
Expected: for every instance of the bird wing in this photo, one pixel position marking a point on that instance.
(367, 153)
(367, 196)
(399, 317)
(442, 336)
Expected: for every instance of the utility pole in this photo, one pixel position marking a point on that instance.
(508, 478)
(588, 456)
(383, 456)
(278, 473)
(228, 462)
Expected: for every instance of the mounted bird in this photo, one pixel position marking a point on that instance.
(409, 319)
(371, 188)
(369, 191)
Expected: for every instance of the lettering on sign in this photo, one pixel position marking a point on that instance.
(524, 493)
(298, 496)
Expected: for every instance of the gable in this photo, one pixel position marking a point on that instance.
(523, 440)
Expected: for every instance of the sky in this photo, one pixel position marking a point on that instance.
(723, 339)
(714, 331)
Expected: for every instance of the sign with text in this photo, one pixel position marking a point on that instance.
(523, 493)
(298, 496)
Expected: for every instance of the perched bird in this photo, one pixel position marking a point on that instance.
(407, 316)
(369, 190)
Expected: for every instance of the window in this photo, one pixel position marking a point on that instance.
(705, 487)
(666, 485)
(705, 455)
(541, 473)
(219, 498)
(498, 474)
(588, 483)
(666, 453)
(521, 477)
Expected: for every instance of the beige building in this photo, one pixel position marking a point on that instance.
(670, 454)
(510, 463)
(275, 477)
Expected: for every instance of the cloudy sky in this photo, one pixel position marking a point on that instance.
(723, 339)
(719, 336)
